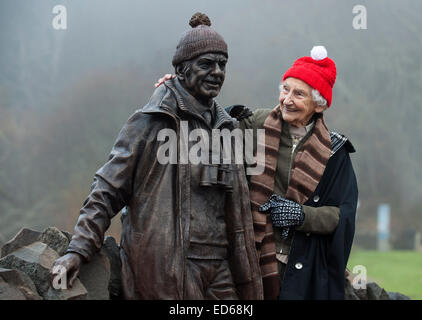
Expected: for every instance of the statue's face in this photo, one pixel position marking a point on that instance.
(204, 75)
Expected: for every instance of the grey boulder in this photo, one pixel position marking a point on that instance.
(16, 285)
(36, 261)
(397, 296)
(23, 238)
(53, 237)
(95, 276)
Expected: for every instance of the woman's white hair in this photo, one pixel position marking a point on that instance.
(316, 96)
(319, 100)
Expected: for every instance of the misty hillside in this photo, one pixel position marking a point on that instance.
(64, 95)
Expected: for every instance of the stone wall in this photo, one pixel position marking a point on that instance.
(26, 261)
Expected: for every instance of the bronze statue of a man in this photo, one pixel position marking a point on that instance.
(188, 231)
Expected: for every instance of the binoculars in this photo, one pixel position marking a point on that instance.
(217, 174)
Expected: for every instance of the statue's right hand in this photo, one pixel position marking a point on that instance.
(71, 262)
(166, 77)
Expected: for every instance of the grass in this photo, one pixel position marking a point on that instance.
(398, 271)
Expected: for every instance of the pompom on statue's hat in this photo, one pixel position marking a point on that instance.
(200, 39)
(318, 71)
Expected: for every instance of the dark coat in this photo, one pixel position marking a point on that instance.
(317, 263)
(155, 235)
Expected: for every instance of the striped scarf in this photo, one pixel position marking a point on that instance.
(307, 170)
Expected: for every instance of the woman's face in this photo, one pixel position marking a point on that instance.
(297, 105)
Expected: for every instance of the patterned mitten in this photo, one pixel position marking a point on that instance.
(284, 213)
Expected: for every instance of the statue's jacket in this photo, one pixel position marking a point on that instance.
(156, 227)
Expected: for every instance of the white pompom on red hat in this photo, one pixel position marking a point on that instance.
(319, 53)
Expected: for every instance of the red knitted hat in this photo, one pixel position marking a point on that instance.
(318, 71)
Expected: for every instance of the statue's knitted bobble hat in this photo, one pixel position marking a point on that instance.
(318, 71)
(199, 40)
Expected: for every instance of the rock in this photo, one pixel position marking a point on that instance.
(362, 294)
(35, 260)
(11, 292)
(32, 254)
(352, 293)
(16, 285)
(112, 251)
(375, 292)
(23, 238)
(67, 234)
(349, 292)
(55, 239)
(372, 292)
(77, 292)
(95, 276)
(397, 296)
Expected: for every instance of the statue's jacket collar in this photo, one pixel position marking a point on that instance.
(172, 100)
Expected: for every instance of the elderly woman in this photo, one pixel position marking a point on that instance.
(304, 203)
